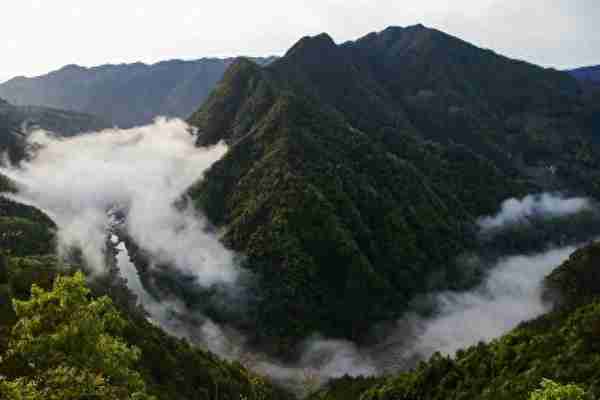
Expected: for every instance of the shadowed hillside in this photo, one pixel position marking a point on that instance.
(16, 121)
(561, 345)
(356, 171)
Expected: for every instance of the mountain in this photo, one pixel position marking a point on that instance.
(356, 172)
(170, 368)
(16, 120)
(587, 75)
(561, 345)
(125, 95)
(355, 178)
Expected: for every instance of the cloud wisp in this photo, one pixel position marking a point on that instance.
(511, 294)
(514, 211)
(320, 359)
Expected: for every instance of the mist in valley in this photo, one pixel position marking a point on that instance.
(143, 174)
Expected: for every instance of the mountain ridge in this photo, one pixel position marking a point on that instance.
(123, 94)
(17, 121)
(328, 131)
(354, 181)
(326, 127)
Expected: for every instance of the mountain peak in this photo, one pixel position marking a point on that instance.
(312, 44)
(397, 38)
(73, 67)
(396, 28)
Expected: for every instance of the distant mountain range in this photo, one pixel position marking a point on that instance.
(587, 75)
(127, 94)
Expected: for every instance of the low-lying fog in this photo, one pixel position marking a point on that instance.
(144, 171)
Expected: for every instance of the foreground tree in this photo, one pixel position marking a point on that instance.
(555, 391)
(65, 346)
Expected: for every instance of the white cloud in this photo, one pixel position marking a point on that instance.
(511, 294)
(543, 205)
(143, 171)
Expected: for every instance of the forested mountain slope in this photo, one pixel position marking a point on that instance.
(126, 94)
(16, 121)
(589, 79)
(356, 171)
(562, 345)
(170, 368)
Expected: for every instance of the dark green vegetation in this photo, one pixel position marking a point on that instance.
(67, 347)
(354, 180)
(61, 122)
(356, 172)
(169, 368)
(16, 121)
(562, 345)
(11, 139)
(125, 95)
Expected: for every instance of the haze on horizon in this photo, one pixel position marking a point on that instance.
(38, 36)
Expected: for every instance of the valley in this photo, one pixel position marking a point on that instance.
(402, 216)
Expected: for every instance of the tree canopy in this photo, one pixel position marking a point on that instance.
(66, 346)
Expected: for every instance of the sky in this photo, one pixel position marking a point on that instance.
(37, 36)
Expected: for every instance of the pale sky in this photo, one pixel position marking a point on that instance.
(37, 36)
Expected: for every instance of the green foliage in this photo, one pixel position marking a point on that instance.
(82, 345)
(577, 280)
(21, 236)
(330, 189)
(3, 269)
(554, 391)
(174, 369)
(563, 345)
(69, 346)
(170, 367)
(11, 142)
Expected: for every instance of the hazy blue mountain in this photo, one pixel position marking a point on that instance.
(590, 75)
(125, 95)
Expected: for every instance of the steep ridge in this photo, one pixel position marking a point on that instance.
(561, 345)
(356, 172)
(125, 95)
(15, 121)
(589, 79)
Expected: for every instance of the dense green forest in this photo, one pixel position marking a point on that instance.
(561, 345)
(355, 178)
(356, 172)
(63, 330)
